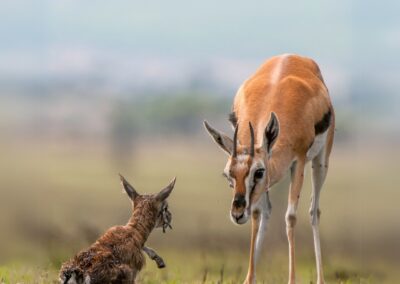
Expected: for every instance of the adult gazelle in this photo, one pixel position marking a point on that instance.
(283, 118)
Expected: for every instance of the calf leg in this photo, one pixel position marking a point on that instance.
(122, 274)
(154, 256)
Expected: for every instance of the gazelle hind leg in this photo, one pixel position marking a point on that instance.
(319, 172)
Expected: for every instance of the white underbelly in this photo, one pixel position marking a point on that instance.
(317, 145)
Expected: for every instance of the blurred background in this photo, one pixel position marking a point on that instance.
(89, 89)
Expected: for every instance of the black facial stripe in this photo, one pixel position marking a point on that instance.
(252, 189)
(256, 179)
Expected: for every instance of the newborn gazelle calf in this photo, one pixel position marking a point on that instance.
(116, 257)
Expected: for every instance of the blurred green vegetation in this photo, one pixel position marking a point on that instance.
(158, 115)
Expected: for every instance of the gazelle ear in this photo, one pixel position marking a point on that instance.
(220, 138)
(128, 188)
(271, 133)
(165, 192)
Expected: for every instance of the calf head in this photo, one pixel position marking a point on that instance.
(153, 205)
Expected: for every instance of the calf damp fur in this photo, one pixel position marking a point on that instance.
(117, 256)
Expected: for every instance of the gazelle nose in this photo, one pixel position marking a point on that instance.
(239, 201)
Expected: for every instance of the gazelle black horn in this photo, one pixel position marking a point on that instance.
(234, 152)
(251, 140)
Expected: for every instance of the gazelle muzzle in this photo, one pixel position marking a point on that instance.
(239, 213)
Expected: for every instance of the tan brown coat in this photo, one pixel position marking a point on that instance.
(283, 118)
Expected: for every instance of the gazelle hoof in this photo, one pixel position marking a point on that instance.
(249, 281)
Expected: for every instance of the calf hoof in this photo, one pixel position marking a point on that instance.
(160, 262)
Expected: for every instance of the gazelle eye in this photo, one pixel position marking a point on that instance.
(259, 174)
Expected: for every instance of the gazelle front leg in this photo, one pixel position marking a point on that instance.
(297, 177)
(259, 220)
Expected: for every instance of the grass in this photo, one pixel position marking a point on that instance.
(18, 273)
(209, 267)
(57, 198)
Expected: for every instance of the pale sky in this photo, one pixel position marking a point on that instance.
(164, 39)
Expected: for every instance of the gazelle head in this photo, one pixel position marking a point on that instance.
(153, 205)
(247, 167)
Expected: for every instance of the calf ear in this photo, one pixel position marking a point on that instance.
(164, 193)
(220, 138)
(271, 133)
(128, 188)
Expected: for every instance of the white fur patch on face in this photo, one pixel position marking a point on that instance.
(241, 162)
(227, 167)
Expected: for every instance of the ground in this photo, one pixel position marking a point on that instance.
(60, 198)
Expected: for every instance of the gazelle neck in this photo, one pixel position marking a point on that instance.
(142, 223)
(279, 162)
